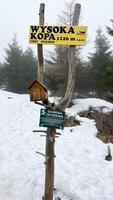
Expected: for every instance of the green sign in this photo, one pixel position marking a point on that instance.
(52, 118)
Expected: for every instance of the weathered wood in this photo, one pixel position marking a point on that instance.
(42, 135)
(38, 131)
(42, 154)
(40, 46)
(57, 136)
(50, 136)
(58, 133)
(49, 175)
(72, 66)
(109, 156)
(37, 91)
(43, 104)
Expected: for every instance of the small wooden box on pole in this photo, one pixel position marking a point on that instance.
(37, 91)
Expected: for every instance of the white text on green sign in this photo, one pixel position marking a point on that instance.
(52, 119)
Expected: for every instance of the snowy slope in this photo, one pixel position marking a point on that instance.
(81, 172)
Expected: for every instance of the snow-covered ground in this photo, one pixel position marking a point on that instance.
(81, 171)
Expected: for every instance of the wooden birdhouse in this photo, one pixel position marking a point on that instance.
(37, 91)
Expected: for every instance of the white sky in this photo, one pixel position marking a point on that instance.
(16, 16)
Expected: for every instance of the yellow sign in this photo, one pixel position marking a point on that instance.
(58, 35)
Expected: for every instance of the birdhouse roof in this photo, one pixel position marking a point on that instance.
(38, 83)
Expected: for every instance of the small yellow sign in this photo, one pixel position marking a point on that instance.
(58, 35)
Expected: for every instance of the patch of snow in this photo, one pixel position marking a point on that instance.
(81, 171)
(84, 104)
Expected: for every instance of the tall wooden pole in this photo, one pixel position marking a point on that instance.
(72, 66)
(40, 46)
(49, 173)
(50, 136)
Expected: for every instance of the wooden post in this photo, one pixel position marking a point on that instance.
(50, 135)
(51, 132)
(49, 173)
(40, 46)
(72, 67)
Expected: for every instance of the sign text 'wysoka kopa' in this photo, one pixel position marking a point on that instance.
(58, 35)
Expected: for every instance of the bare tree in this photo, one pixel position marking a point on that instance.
(57, 68)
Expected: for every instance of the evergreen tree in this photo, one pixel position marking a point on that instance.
(57, 71)
(29, 70)
(1, 75)
(109, 78)
(13, 65)
(109, 29)
(83, 77)
(100, 61)
(20, 67)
